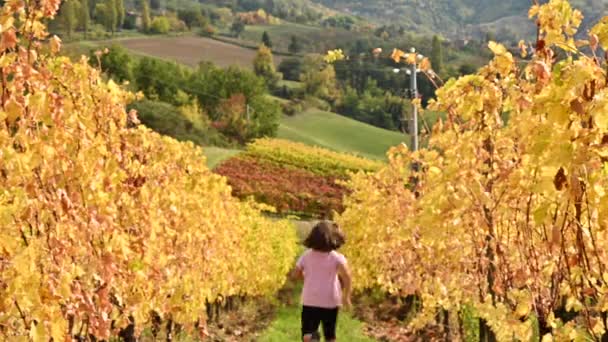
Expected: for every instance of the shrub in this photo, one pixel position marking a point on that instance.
(117, 63)
(160, 25)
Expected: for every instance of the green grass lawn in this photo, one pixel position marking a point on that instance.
(216, 155)
(339, 133)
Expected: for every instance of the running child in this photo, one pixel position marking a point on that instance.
(327, 281)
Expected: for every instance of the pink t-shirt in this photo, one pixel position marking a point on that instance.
(321, 285)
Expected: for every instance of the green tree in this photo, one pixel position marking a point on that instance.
(437, 55)
(120, 13)
(294, 45)
(161, 80)
(266, 40)
(237, 28)
(234, 91)
(291, 68)
(211, 84)
(319, 78)
(117, 63)
(68, 17)
(85, 17)
(192, 17)
(105, 13)
(145, 16)
(466, 69)
(112, 15)
(263, 66)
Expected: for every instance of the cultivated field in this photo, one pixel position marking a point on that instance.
(191, 50)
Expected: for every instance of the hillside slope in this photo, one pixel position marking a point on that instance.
(339, 133)
(454, 18)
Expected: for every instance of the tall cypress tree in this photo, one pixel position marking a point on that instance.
(294, 45)
(68, 17)
(266, 40)
(437, 55)
(120, 13)
(85, 17)
(111, 15)
(145, 15)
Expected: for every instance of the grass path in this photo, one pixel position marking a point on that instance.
(216, 155)
(286, 326)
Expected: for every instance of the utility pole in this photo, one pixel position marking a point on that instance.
(412, 71)
(413, 96)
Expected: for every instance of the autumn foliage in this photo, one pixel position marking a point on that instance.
(506, 212)
(314, 159)
(259, 17)
(289, 190)
(293, 177)
(104, 223)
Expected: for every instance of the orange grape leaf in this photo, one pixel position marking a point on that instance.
(425, 64)
(397, 55)
(8, 40)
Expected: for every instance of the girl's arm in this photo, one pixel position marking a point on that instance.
(346, 281)
(297, 273)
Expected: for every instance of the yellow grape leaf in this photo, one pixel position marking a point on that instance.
(533, 11)
(14, 110)
(524, 305)
(573, 304)
(55, 44)
(496, 48)
(601, 32)
(523, 49)
(600, 111)
(38, 333)
(59, 328)
(334, 55)
(547, 338)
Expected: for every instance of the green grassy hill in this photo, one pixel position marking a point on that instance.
(339, 133)
(329, 130)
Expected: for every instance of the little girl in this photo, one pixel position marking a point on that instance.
(325, 273)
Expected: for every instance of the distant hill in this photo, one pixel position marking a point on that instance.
(458, 18)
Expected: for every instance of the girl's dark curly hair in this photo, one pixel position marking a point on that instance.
(325, 236)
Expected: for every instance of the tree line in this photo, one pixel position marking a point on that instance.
(208, 104)
(87, 16)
